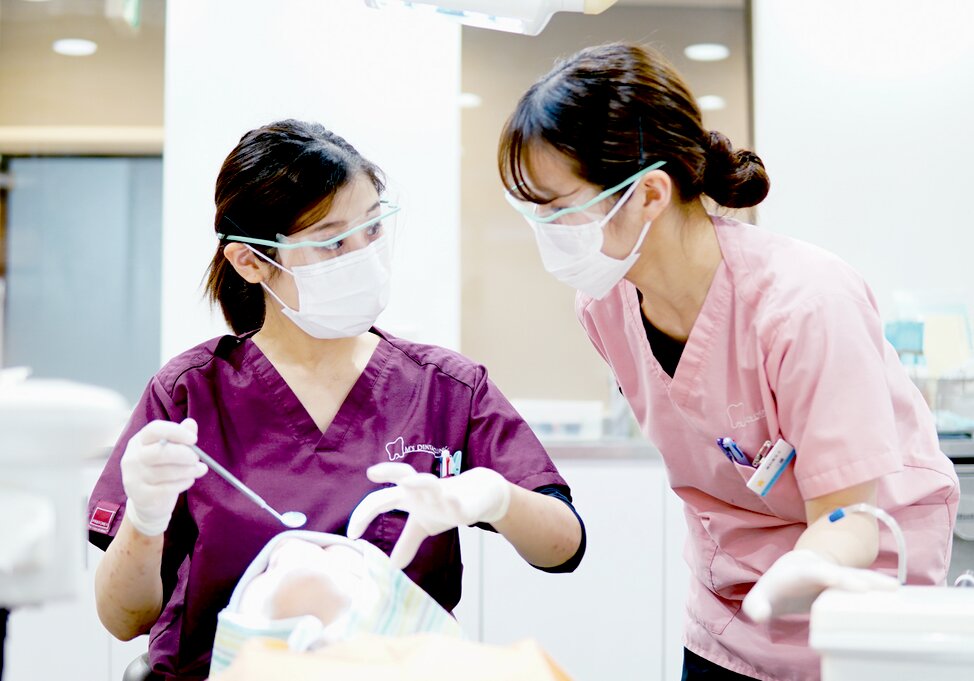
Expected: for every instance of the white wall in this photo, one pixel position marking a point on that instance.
(385, 82)
(863, 116)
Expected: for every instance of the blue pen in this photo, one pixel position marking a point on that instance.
(732, 451)
(723, 449)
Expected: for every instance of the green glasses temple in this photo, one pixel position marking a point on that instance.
(588, 204)
(390, 209)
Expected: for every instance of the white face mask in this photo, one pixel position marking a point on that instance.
(340, 297)
(573, 253)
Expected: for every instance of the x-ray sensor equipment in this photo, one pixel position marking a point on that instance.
(914, 632)
(514, 16)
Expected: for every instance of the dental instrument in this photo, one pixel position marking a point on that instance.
(288, 518)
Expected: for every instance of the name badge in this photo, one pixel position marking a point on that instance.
(771, 466)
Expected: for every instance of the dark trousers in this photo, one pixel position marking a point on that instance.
(696, 668)
(3, 635)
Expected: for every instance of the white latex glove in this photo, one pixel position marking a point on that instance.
(796, 579)
(479, 495)
(156, 468)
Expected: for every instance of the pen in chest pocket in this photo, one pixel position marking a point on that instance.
(770, 462)
(732, 451)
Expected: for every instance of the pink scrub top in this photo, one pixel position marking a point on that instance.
(410, 402)
(788, 344)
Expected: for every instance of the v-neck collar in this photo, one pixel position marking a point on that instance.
(706, 328)
(360, 398)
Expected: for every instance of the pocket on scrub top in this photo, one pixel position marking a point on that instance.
(707, 562)
(783, 498)
(377, 532)
(388, 527)
(744, 471)
(709, 610)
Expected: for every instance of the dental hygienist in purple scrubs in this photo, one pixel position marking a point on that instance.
(299, 403)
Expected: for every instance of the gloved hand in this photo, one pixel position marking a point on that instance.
(156, 469)
(796, 579)
(479, 495)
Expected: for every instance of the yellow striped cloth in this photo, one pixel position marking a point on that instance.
(389, 604)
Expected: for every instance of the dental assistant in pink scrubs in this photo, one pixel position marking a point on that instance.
(313, 408)
(718, 329)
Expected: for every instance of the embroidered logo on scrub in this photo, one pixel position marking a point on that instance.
(740, 420)
(398, 449)
(444, 464)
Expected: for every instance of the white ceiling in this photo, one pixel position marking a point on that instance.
(122, 83)
(725, 4)
(153, 11)
(17, 11)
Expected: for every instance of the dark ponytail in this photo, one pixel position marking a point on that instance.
(613, 110)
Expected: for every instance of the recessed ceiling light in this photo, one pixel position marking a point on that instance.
(75, 47)
(706, 52)
(469, 100)
(711, 103)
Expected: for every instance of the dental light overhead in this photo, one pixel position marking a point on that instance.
(515, 16)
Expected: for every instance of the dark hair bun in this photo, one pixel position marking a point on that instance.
(733, 178)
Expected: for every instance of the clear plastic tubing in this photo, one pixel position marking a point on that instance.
(887, 520)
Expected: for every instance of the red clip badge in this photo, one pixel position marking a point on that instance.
(449, 464)
(103, 516)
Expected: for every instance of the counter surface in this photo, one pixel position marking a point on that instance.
(603, 450)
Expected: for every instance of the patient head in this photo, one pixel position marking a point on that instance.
(303, 578)
(312, 589)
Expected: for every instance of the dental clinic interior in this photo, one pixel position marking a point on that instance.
(116, 120)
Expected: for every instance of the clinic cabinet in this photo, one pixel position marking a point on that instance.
(620, 614)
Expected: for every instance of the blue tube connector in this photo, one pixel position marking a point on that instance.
(889, 521)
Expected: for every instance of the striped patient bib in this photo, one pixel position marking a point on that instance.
(388, 603)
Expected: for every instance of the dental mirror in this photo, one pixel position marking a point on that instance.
(288, 518)
(294, 518)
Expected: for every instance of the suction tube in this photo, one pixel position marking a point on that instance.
(889, 521)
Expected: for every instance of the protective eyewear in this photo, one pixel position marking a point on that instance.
(589, 211)
(311, 246)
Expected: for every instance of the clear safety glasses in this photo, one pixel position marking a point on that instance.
(330, 240)
(592, 210)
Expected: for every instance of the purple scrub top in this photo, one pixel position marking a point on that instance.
(411, 401)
